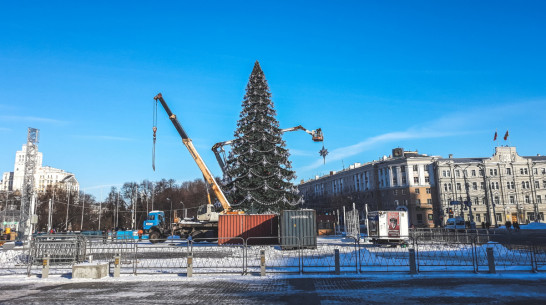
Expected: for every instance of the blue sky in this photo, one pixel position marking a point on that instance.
(434, 76)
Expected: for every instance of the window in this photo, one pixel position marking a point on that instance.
(419, 218)
(403, 169)
(458, 186)
(395, 192)
(430, 217)
(522, 184)
(498, 217)
(521, 171)
(478, 218)
(544, 184)
(428, 190)
(495, 172)
(418, 201)
(416, 191)
(403, 192)
(396, 202)
(482, 185)
(537, 185)
(457, 173)
(403, 180)
(508, 171)
(445, 187)
(539, 199)
(513, 184)
(474, 185)
(526, 184)
(416, 180)
(481, 172)
(527, 200)
(473, 173)
(426, 167)
(465, 173)
(508, 184)
(415, 168)
(497, 200)
(544, 171)
(429, 201)
(427, 179)
(535, 171)
(449, 186)
(512, 200)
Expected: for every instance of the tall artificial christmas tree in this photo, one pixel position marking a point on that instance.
(258, 168)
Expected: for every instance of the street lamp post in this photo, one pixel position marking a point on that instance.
(183, 209)
(67, 206)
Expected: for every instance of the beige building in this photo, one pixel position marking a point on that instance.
(403, 180)
(492, 190)
(44, 177)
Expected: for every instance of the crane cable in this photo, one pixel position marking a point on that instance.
(154, 128)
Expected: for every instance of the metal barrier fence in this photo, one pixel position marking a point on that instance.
(425, 252)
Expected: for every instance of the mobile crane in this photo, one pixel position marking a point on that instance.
(207, 217)
(218, 148)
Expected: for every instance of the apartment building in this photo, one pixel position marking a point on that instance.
(492, 190)
(404, 180)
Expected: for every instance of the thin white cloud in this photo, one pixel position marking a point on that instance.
(100, 187)
(475, 120)
(300, 153)
(32, 119)
(107, 138)
(369, 143)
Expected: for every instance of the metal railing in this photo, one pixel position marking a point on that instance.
(426, 251)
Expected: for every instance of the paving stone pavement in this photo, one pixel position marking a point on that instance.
(255, 290)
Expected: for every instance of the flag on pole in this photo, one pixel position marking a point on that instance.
(506, 136)
(495, 137)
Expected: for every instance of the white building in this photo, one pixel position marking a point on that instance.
(44, 177)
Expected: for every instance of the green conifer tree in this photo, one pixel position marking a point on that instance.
(258, 169)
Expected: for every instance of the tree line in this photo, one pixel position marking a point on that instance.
(123, 208)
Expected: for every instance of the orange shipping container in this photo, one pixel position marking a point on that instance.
(231, 228)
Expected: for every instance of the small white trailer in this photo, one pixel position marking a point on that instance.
(388, 226)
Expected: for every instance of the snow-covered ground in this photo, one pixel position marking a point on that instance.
(171, 257)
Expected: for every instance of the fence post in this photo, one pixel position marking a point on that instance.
(301, 255)
(491, 260)
(475, 263)
(262, 262)
(135, 246)
(45, 267)
(412, 261)
(534, 264)
(336, 255)
(117, 261)
(189, 271)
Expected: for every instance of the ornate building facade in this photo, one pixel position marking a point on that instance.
(405, 180)
(44, 177)
(504, 187)
(432, 189)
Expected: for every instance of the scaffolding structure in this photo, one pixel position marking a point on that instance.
(28, 195)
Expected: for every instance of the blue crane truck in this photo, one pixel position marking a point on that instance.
(158, 229)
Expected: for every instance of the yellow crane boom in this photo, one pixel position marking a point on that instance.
(209, 178)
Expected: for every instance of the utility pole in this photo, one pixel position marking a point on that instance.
(67, 205)
(49, 216)
(83, 208)
(100, 207)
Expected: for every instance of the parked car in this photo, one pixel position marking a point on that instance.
(456, 223)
